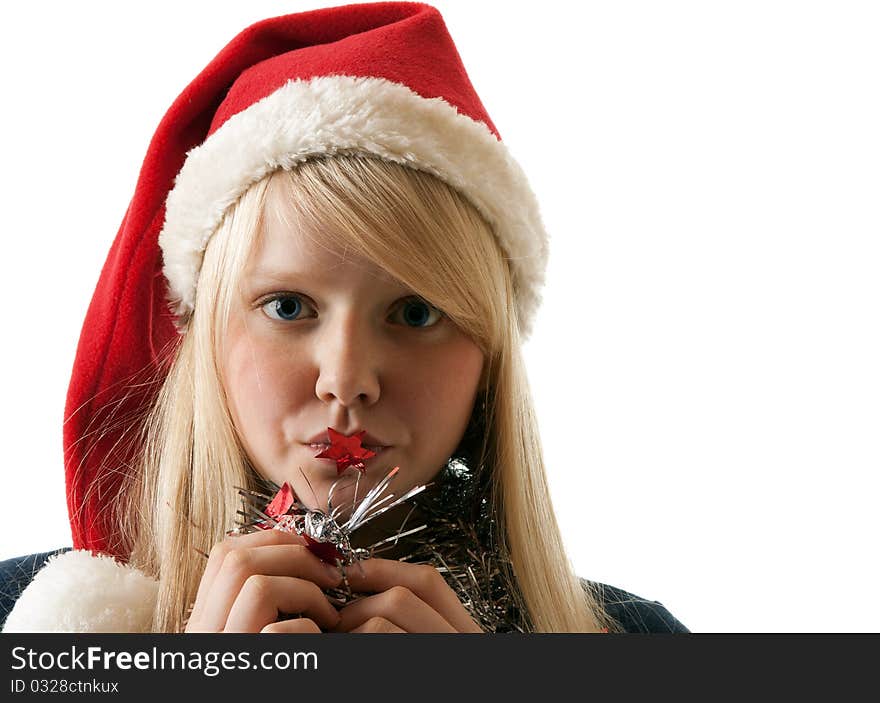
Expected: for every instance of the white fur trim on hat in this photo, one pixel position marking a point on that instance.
(346, 114)
(78, 592)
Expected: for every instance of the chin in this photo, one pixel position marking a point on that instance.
(314, 492)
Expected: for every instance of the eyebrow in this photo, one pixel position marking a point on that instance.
(276, 275)
(279, 276)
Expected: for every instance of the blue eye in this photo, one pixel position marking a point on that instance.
(288, 307)
(417, 312)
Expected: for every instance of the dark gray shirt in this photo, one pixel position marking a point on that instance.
(634, 614)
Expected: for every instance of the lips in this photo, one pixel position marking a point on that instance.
(368, 441)
(321, 446)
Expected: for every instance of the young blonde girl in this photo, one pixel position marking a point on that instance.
(404, 211)
(330, 122)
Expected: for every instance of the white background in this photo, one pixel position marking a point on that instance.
(705, 363)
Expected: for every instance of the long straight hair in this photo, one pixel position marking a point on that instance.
(182, 496)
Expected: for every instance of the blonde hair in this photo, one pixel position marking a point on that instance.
(183, 498)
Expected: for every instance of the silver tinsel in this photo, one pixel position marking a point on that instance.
(457, 537)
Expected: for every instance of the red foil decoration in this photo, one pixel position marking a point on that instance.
(282, 501)
(346, 451)
(326, 538)
(325, 551)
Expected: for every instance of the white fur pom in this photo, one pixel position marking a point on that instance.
(79, 592)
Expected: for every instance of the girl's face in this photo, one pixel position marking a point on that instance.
(316, 340)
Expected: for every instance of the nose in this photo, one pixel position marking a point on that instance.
(347, 356)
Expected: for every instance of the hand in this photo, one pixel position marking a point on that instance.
(408, 598)
(251, 578)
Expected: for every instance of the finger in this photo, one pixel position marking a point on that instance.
(271, 560)
(263, 598)
(378, 624)
(301, 625)
(376, 575)
(397, 605)
(221, 549)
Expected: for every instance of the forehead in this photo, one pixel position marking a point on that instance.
(288, 247)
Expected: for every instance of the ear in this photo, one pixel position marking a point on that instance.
(78, 591)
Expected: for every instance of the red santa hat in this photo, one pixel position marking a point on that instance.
(383, 79)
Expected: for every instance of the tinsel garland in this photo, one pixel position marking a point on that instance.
(458, 538)
(459, 542)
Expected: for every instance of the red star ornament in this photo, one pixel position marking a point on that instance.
(346, 451)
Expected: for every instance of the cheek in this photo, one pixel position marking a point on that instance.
(262, 389)
(444, 396)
